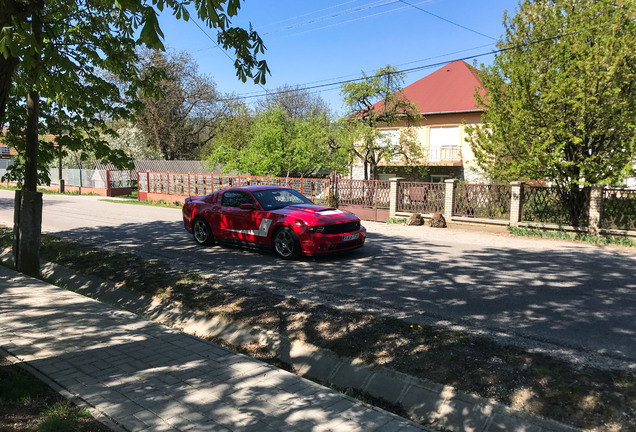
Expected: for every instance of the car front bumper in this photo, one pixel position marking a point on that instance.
(318, 244)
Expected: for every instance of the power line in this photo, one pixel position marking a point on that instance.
(362, 17)
(379, 3)
(342, 77)
(446, 20)
(349, 11)
(222, 50)
(418, 68)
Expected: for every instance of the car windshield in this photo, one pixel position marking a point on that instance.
(272, 199)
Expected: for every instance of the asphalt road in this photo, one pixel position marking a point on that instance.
(575, 300)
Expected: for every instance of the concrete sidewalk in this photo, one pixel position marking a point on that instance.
(136, 375)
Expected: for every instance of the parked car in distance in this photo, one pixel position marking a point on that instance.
(272, 217)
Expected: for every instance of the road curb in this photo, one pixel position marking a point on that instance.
(434, 405)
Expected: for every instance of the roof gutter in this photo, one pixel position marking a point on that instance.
(454, 112)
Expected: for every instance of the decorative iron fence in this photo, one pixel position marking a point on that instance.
(366, 193)
(417, 197)
(550, 205)
(619, 209)
(372, 199)
(485, 201)
(202, 184)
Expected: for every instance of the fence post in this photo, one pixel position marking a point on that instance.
(595, 210)
(394, 197)
(449, 199)
(108, 191)
(516, 202)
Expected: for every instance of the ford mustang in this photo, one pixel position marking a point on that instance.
(273, 217)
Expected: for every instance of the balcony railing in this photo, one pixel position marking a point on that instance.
(443, 156)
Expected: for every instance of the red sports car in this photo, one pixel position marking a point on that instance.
(272, 216)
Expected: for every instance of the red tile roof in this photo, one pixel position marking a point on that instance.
(449, 89)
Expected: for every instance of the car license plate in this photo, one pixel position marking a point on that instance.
(350, 237)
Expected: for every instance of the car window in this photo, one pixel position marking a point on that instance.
(236, 198)
(278, 198)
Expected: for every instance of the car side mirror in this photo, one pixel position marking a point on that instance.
(247, 206)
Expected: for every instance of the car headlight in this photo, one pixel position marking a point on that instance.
(315, 229)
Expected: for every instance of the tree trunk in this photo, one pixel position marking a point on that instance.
(28, 204)
(27, 232)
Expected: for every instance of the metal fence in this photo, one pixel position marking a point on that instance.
(88, 178)
(550, 205)
(619, 209)
(92, 178)
(366, 193)
(417, 197)
(79, 177)
(484, 201)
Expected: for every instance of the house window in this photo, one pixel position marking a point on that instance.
(442, 137)
(439, 178)
(389, 138)
(386, 176)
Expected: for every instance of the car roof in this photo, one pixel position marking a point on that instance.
(257, 188)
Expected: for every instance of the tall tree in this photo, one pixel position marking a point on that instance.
(298, 103)
(560, 98)
(181, 116)
(52, 53)
(378, 101)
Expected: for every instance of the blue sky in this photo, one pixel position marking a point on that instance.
(313, 43)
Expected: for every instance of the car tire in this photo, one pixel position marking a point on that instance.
(201, 232)
(285, 243)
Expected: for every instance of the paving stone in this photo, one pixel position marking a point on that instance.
(504, 423)
(385, 387)
(348, 376)
(421, 401)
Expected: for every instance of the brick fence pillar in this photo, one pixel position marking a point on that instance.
(394, 195)
(596, 209)
(516, 202)
(449, 199)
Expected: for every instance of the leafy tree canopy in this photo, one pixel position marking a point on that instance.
(75, 55)
(561, 95)
(378, 101)
(277, 144)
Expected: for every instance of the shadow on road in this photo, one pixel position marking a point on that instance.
(575, 297)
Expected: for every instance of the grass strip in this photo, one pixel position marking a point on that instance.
(160, 203)
(50, 192)
(563, 235)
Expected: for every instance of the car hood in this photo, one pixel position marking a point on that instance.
(317, 214)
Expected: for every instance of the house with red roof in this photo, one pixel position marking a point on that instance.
(446, 101)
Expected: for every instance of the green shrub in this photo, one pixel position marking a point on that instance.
(395, 220)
